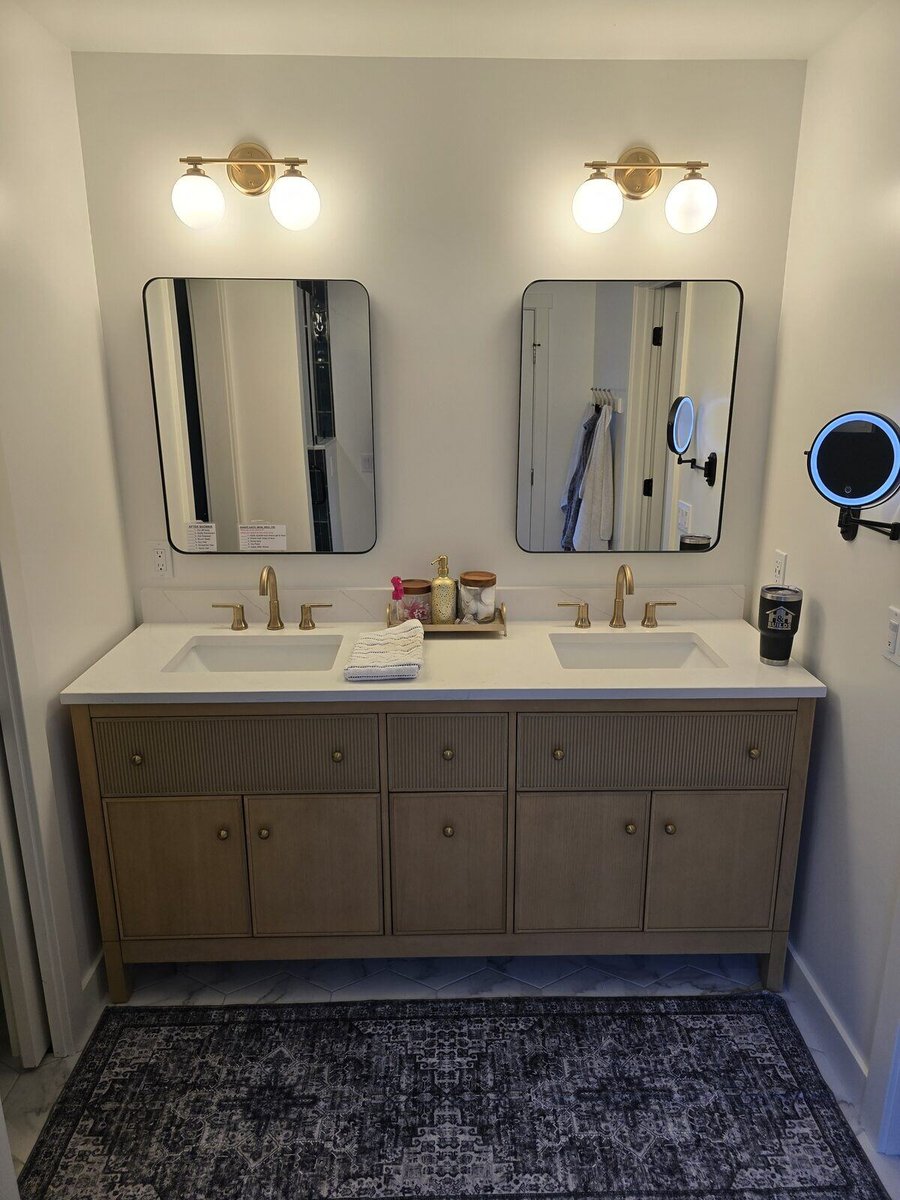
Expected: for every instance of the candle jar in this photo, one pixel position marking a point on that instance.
(417, 600)
(477, 597)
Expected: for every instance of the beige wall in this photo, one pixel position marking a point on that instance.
(446, 188)
(61, 544)
(839, 349)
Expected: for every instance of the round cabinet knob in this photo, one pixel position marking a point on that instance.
(223, 835)
(137, 759)
(337, 756)
(559, 754)
(631, 828)
(670, 828)
(447, 755)
(263, 833)
(754, 751)
(448, 831)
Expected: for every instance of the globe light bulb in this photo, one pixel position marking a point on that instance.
(597, 204)
(691, 204)
(197, 199)
(294, 201)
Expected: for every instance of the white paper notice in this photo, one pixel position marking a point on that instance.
(260, 538)
(201, 537)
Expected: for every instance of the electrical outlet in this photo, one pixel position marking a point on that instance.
(779, 571)
(893, 637)
(684, 517)
(367, 464)
(161, 560)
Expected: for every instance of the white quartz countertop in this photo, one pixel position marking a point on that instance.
(523, 666)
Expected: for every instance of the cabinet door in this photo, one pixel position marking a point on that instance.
(180, 866)
(315, 864)
(713, 859)
(580, 860)
(448, 862)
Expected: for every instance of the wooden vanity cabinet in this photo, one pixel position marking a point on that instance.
(222, 832)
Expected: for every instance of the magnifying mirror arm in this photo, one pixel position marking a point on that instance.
(709, 468)
(849, 522)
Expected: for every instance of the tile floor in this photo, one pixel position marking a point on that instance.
(28, 1096)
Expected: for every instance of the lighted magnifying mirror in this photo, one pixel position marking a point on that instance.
(854, 463)
(680, 428)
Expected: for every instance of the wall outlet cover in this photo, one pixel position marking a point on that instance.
(161, 560)
(684, 517)
(779, 571)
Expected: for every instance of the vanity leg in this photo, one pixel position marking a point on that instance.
(771, 965)
(118, 977)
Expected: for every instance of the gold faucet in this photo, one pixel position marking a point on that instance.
(624, 586)
(268, 586)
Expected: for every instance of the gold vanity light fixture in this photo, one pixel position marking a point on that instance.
(637, 173)
(293, 199)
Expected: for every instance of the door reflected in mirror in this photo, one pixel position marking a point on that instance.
(263, 395)
(625, 413)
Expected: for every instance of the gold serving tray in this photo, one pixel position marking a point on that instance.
(498, 625)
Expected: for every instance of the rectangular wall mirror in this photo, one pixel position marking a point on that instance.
(624, 413)
(263, 395)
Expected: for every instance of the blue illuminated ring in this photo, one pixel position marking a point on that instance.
(679, 405)
(890, 485)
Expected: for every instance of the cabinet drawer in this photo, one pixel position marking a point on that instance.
(448, 863)
(447, 752)
(158, 756)
(180, 866)
(600, 751)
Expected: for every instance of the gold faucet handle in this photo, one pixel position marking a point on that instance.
(306, 617)
(583, 616)
(650, 621)
(238, 621)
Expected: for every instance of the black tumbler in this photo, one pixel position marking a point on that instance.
(779, 616)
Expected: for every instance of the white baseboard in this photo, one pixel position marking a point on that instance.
(823, 1030)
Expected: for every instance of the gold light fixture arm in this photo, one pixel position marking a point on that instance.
(250, 167)
(638, 172)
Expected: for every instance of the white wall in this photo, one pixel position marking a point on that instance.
(708, 325)
(839, 349)
(61, 544)
(446, 188)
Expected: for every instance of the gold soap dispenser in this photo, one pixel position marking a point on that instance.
(443, 593)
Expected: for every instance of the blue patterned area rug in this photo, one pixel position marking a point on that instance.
(700, 1098)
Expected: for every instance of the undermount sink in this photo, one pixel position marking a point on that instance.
(617, 650)
(264, 652)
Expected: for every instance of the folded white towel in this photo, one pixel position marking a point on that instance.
(395, 653)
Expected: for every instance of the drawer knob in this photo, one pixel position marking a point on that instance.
(223, 835)
(559, 754)
(337, 756)
(754, 751)
(631, 828)
(137, 759)
(448, 831)
(447, 755)
(670, 828)
(264, 833)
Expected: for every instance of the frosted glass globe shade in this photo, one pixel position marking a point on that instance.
(294, 202)
(597, 204)
(198, 200)
(691, 205)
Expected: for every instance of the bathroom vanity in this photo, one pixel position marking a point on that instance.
(500, 804)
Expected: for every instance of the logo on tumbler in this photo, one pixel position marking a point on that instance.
(780, 618)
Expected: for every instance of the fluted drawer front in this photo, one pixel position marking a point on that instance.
(573, 751)
(183, 755)
(447, 752)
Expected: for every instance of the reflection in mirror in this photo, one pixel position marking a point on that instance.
(603, 363)
(263, 395)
